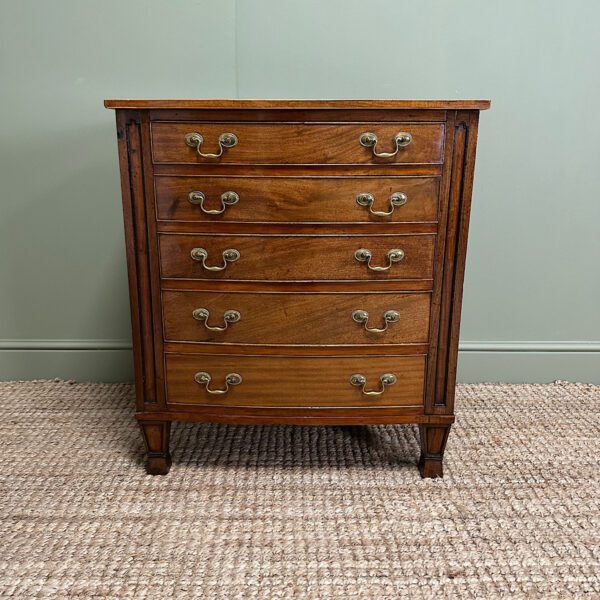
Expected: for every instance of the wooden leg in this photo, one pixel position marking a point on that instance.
(433, 444)
(156, 435)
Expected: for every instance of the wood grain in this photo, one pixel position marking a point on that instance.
(320, 350)
(154, 275)
(280, 381)
(299, 115)
(433, 443)
(383, 228)
(298, 167)
(293, 143)
(130, 133)
(459, 209)
(296, 199)
(356, 415)
(296, 258)
(295, 104)
(366, 286)
(156, 436)
(318, 319)
(293, 170)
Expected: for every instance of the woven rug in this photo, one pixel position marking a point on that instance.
(300, 512)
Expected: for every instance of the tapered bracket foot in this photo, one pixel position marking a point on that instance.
(156, 436)
(433, 444)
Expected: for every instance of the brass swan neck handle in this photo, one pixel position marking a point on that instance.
(359, 380)
(369, 140)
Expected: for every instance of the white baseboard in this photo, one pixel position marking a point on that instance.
(111, 360)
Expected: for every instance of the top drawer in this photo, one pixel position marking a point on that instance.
(297, 143)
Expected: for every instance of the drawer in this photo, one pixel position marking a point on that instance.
(295, 318)
(295, 143)
(296, 257)
(297, 199)
(297, 381)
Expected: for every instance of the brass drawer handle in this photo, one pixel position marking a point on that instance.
(227, 199)
(369, 140)
(360, 381)
(229, 316)
(393, 256)
(204, 378)
(229, 255)
(389, 316)
(396, 200)
(226, 140)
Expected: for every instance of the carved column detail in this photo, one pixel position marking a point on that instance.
(459, 207)
(129, 133)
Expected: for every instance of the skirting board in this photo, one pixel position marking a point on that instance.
(111, 361)
(514, 366)
(110, 366)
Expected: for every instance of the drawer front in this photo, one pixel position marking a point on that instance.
(296, 258)
(298, 381)
(296, 143)
(295, 318)
(297, 199)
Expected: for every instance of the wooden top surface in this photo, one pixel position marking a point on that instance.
(302, 104)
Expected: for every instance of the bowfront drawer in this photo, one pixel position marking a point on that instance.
(297, 199)
(297, 143)
(298, 381)
(296, 318)
(296, 257)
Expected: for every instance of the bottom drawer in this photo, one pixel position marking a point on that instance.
(294, 381)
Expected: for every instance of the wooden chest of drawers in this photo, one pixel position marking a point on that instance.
(296, 261)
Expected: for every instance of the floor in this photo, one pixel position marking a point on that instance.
(298, 512)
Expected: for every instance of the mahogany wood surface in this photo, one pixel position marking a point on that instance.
(450, 268)
(403, 285)
(298, 381)
(293, 228)
(295, 104)
(318, 319)
(139, 266)
(297, 168)
(292, 170)
(433, 443)
(156, 437)
(298, 115)
(294, 143)
(191, 347)
(296, 258)
(296, 199)
(355, 415)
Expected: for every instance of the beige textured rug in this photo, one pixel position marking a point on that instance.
(300, 513)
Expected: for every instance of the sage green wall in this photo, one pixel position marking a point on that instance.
(533, 280)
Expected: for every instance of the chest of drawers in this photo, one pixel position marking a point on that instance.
(296, 262)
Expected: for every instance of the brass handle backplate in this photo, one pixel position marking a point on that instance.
(227, 199)
(359, 380)
(396, 200)
(195, 140)
(229, 316)
(369, 140)
(364, 255)
(201, 254)
(204, 378)
(389, 316)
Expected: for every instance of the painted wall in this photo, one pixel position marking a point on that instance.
(533, 276)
